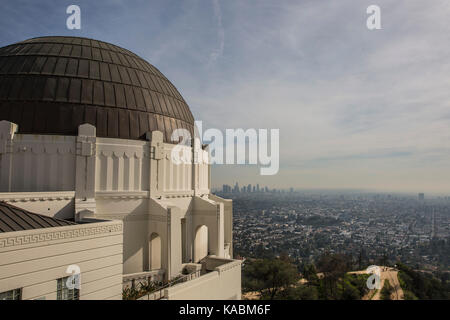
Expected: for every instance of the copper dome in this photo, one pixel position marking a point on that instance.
(51, 85)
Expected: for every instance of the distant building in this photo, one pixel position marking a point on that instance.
(421, 196)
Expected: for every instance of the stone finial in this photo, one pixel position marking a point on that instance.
(8, 129)
(157, 144)
(87, 129)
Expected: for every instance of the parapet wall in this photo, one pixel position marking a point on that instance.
(224, 283)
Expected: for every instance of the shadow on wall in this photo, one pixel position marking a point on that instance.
(67, 211)
(136, 251)
(155, 253)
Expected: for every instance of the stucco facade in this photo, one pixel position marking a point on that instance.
(86, 136)
(33, 260)
(169, 217)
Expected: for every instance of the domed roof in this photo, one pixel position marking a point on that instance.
(51, 85)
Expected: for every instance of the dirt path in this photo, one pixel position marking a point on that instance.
(386, 273)
(397, 294)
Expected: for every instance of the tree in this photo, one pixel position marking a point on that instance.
(310, 274)
(333, 267)
(268, 276)
(285, 257)
(300, 292)
(349, 292)
(422, 285)
(360, 260)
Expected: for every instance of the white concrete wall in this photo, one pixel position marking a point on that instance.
(228, 223)
(39, 163)
(34, 259)
(122, 165)
(177, 177)
(224, 283)
(166, 219)
(203, 174)
(200, 243)
(209, 213)
(136, 182)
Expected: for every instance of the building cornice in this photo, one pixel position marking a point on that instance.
(49, 236)
(36, 196)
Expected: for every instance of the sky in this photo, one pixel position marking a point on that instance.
(356, 108)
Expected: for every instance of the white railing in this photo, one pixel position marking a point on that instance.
(158, 293)
(132, 279)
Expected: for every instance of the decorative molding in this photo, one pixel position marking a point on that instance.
(178, 194)
(44, 147)
(121, 152)
(55, 235)
(85, 146)
(39, 199)
(7, 132)
(121, 195)
(36, 196)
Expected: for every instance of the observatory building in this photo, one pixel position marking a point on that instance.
(88, 187)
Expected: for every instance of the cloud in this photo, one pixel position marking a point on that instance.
(220, 32)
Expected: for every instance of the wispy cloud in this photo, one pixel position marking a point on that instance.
(220, 32)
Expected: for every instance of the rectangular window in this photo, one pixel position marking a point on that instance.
(15, 294)
(63, 291)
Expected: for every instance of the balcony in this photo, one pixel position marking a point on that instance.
(219, 279)
(211, 278)
(159, 292)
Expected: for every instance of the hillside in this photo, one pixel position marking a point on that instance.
(388, 275)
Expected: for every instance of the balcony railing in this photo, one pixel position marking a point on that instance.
(131, 280)
(158, 293)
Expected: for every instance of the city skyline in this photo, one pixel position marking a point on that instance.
(238, 188)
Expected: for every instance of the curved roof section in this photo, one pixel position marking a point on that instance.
(51, 85)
